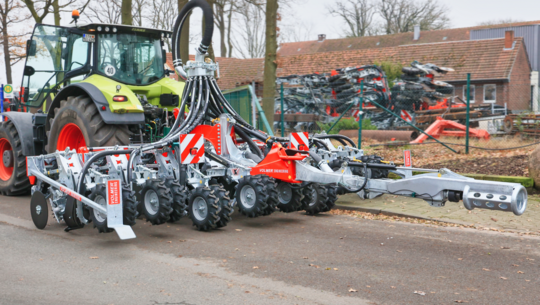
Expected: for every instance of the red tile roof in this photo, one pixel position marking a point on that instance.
(485, 59)
(383, 41)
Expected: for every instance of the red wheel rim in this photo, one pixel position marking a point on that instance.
(5, 172)
(71, 136)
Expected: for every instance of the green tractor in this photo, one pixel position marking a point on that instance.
(90, 85)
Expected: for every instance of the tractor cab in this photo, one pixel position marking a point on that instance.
(59, 56)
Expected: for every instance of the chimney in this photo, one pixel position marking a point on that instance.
(509, 40)
(417, 32)
(322, 37)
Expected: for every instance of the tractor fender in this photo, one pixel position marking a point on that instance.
(22, 122)
(99, 99)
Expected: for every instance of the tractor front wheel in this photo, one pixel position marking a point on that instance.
(77, 122)
(13, 179)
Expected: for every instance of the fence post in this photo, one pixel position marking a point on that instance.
(468, 108)
(360, 115)
(282, 122)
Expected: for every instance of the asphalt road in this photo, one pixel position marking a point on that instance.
(280, 259)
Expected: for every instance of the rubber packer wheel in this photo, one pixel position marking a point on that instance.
(251, 196)
(290, 198)
(99, 196)
(317, 200)
(77, 121)
(156, 201)
(13, 179)
(224, 203)
(180, 196)
(331, 196)
(204, 208)
(271, 190)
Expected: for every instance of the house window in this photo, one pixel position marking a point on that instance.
(490, 93)
(471, 95)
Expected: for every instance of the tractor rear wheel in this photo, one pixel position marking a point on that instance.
(13, 179)
(77, 122)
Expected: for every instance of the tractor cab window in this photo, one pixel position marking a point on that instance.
(130, 58)
(51, 53)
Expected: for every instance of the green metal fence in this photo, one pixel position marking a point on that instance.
(240, 99)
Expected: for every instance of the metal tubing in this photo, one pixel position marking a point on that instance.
(63, 189)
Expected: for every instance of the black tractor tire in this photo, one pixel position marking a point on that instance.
(204, 197)
(289, 197)
(129, 206)
(156, 201)
(13, 179)
(225, 203)
(307, 191)
(251, 196)
(82, 111)
(319, 197)
(271, 190)
(99, 196)
(180, 196)
(331, 198)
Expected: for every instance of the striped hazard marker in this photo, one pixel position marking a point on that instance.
(191, 148)
(356, 115)
(406, 115)
(299, 140)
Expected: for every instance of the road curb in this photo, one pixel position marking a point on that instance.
(388, 213)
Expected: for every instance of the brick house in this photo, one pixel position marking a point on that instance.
(500, 70)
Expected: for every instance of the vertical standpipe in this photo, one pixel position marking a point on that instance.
(360, 115)
(468, 109)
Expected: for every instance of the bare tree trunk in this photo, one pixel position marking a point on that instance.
(127, 17)
(5, 43)
(184, 38)
(229, 30)
(270, 64)
(56, 12)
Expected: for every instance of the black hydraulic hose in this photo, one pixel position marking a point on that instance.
(96, 157)
(179, 24)
(182, 108)
(194, 110)
(255, 149)
(217, 158)
(256, 135)
(373, 165)
(365, 180)
(337, 137)
(227, 105)
(132, 157)
(202, 113)
(321, 142)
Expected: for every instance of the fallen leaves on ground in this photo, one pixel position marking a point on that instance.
(420, 292)
(353, 290)
(94, 257)
(255, 267)
(393, 218)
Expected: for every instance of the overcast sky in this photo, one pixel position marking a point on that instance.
(314, 15)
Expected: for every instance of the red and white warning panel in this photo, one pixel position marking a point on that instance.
(406, 115)
(356, 115)
(299, 140)
(192, 148)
